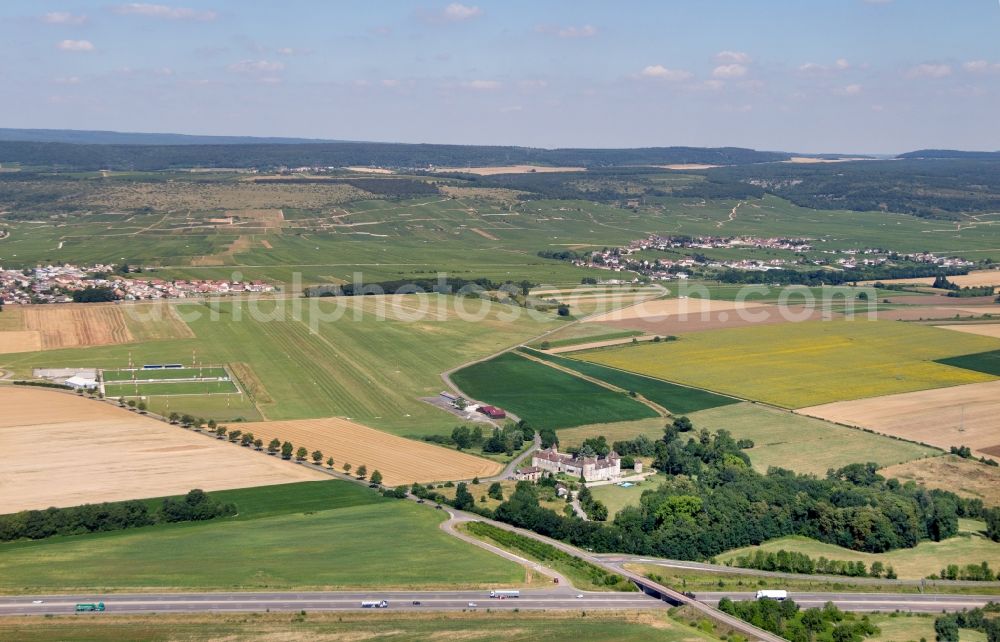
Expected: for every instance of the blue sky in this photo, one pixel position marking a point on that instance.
(874, 76)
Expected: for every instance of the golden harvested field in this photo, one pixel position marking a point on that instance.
(663, 308)
(400, 460)
(957, 416)
(63, 450)
(73, 326)
(20, 341)
(976, 278)
(510, 169)
(962, 476)
(982, 329)
(805, 364)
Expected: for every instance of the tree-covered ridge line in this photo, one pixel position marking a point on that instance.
(713, 501)
(91, 157)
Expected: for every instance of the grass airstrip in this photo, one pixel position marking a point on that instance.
(326, 534)
(803, 364)
(355, 358)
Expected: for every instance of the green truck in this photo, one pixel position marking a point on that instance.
(84, 608)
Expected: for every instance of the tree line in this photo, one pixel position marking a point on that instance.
(794, 562)
(979, 619)
(196, 506)
(784, 618)
(714, 501)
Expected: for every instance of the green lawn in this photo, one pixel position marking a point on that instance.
(616, 498)
(315, 535)
(171, 373)
(910, 627)
(544, 396)
(804, 444)
(480, 625)
(910, 563)
(170, 388)
(679, 400)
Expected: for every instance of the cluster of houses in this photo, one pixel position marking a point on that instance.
(624, 259)
(56, 284)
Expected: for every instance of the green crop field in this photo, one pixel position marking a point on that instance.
(359, 366)
(988, 362)
(678, 400)
(803, 364)
(544, 396)
(172, 373)
(924, 559)
(321, 535)
(804, 444)
(475, 626)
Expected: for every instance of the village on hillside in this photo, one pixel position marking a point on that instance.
(59, 283)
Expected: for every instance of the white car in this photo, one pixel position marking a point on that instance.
(472, 605)
(579, 596)
(37, 601)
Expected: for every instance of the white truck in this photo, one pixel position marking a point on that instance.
(503, 594)
(375, 604)
(772, 594)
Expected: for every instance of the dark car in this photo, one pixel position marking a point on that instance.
(416, 602)
(438, 507)
(420, 501)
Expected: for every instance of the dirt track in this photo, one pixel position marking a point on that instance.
(63, 450)
(401, 461)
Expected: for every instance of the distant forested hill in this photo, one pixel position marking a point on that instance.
(930, 188)
(951, 153)
(71, 156)
(87, 137)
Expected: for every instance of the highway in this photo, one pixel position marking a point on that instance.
(916, 602)
(554, 599)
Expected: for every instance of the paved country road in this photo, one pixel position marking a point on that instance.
(562, 599)
(916, 602)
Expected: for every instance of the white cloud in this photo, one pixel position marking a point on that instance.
(851, 90)
(586, 31)
(256, 66)
(76, 45)
(532, 84)
(163, 12)
(390, 82)
(458, 12)
(840, 64)
(663, 73)
(981, 66)
(929, 71)
(737, 57)
(730, 71)
(483, 85)
(64, 18)
(67, 80)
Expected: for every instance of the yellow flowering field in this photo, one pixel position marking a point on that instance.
(805, 364)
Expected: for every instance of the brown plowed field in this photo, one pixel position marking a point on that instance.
(945, 417)
(63, 450)
(661, 309)
(982, 329)
(401, 461)
(71, 326)
(716, 319)
(976, 278)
